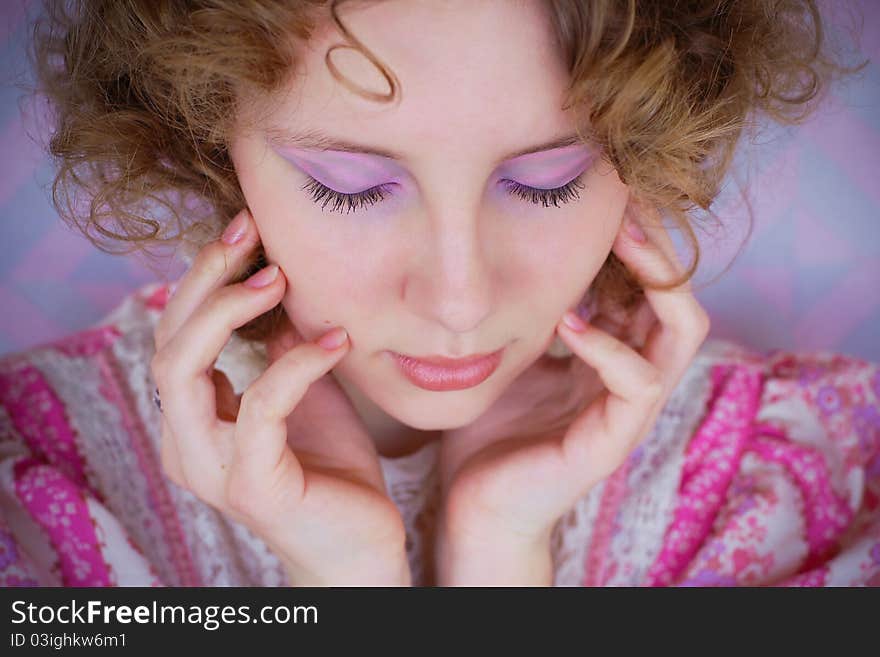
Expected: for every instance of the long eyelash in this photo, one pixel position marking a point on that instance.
(324, 195)
(339, 200)
(568, 192)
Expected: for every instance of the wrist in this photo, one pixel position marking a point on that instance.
(386, 566)
(383, 573)
(499, 561)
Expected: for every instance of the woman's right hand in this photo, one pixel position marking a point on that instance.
(315, 494)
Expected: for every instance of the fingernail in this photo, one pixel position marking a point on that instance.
(635, 231)
(263, 277)
(235, 230)
(333, 339)
(574, 322)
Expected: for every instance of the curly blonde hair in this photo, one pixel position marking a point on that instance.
(143, 93)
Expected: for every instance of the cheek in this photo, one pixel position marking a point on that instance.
(565, 272)
(570, 241)
(325, 289)
(558, 261)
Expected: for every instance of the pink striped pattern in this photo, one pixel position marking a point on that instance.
(712, 460)
(38, 415)
(827, 515)
(56, 504)
(595, 572)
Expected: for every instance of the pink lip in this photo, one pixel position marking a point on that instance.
(439, 373)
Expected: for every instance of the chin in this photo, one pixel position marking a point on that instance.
(440, 415)
(439, 411)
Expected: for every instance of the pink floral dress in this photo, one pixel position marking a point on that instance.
(762, 469)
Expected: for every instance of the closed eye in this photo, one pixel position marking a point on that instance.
(324, 196)
(568, 192)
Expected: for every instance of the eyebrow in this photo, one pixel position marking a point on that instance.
(317, 140)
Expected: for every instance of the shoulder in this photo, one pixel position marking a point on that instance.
(763, 467)
(106, 360)
(93, 381)
(77, 425)
(825, 400)
(802, 392)
(780, 479)
(77, 402)
(135, 315)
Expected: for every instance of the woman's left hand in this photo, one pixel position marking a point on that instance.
(503, 495)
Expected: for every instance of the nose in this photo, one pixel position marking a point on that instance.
(451, 282)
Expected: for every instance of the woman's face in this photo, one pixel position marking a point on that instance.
(450, 259)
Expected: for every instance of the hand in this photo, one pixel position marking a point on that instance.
(290, 459)
(502, 494)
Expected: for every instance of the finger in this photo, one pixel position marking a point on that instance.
(260, 442)
(598, 440)
(651, 222)
(326, 410)
(638, 383)
(682, 324)
(214, 266)
(352, 452)
(183, 368)
(196, 461)
(190, 354)
(627, 375)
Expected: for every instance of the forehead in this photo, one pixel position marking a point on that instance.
(475, 75)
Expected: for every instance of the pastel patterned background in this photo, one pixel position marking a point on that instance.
(808, 278)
